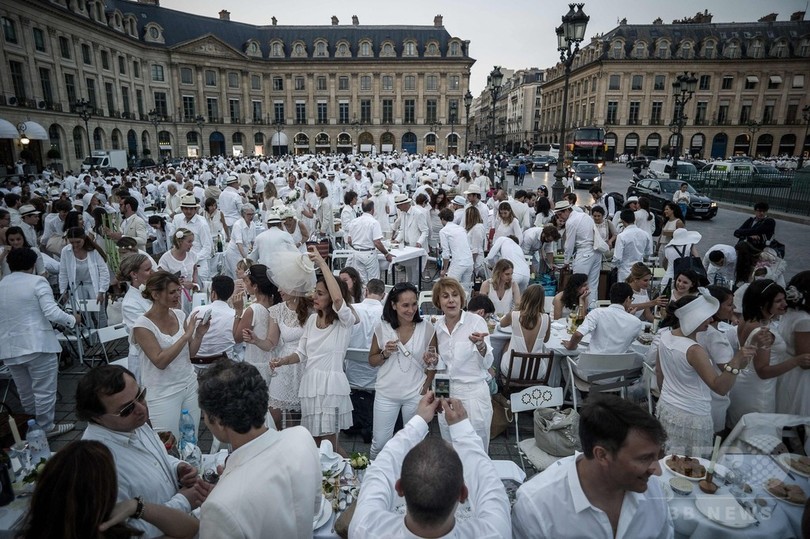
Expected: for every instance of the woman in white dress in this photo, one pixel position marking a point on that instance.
(687, 376)
(398, 348)
(295, 227)
(166, 342)
(216, 221)
(324, 215)
(310, 204)
(574, 295)
(253, 322)
(477, 237)
(84, 270)
(243, 234)
(531, 327)
(462, 340)
(181, 261)
(506, 224)
(382, 207)
(673, 220)
(324, 392)
(639, 280)
(438, 201)
(135, 270)
(644, 218)
(755, 391)
(160, 243)
(501, 289)
(793, 388)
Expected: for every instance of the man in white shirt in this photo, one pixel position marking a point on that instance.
(365, 237)
(720, 262)
(172, 199)
(578, 244)
(507, 247)
(411, 229)
(30, 219)
(600, 199)
(133, 226)
(521, 209)
(218, 341)
(335, 189)
(271, 483)
(632, 245)
(605, 491)
(230, 201)
(203, 247)
(457, 258)
(272, 240)
(114, 406)
(473, 194)
(541, 241)
(55, 222)
(433, 477)
(614, 328)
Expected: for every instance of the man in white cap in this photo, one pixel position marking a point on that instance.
(578, 244)
(365, 237)
(630, 204)
(203, 247)
(473, 194)
(411, 229)
(30, 219)
(457, 206)
(230, 201)
(272, 240)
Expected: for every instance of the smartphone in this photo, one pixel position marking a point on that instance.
(206, 317)
(441, 386)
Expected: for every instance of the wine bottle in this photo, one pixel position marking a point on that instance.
(219, 243)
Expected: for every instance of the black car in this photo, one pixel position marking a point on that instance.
(139, 164)
(514, 163)
(660, 191)
(638, 162)
(586, 174)
(543, 162)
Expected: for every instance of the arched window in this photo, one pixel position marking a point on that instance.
(365, 48)
(320, 48)
(275, 49)
(410, 49)
(455, 49)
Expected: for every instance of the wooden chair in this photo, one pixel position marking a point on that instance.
(532, 398)
(531, 372)
(602, 372)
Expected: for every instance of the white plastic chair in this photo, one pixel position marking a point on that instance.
(533, 398)
(340, 259)
(601, 372)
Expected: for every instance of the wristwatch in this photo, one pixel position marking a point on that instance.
(139, 509)
(733, 370)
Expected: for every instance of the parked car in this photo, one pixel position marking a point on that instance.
(638, 162)
(723, 172)
(543, 162)
(586, 175)
(660, 191)
(515, 162)
(661, 168)
(145, 162)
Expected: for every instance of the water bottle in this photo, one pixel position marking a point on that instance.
(37, 443)
(189, 451)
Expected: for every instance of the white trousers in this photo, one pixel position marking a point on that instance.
(477, 401)
(462, 274)
(590, 264)
(366, 264)
(36, 379)
(522, 282)
(165, 408)
(386, 411)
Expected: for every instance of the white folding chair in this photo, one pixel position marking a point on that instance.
(601, 372)
(533, 398)
(652, 388)
(340, 259)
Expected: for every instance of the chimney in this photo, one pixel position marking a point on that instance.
(355, 21)
(658, 22)
(797, 16)
(437, 21)
(335, 21)
(224, 15)
(623, 22)
(274, 21)
(770, 17)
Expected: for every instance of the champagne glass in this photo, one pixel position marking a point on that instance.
(764, 326)
(273, 366)
(431, 358)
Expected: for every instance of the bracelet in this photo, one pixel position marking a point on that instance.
(733, 370)
(139, 509)
(382, 353)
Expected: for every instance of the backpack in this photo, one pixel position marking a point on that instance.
(618, 200)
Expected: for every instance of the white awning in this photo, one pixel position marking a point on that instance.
(776, 79)
(279, 139)
(7, 130)
(752, 78)
(34, 131)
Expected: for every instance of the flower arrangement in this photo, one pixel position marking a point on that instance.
(359, 461)
(292, 196)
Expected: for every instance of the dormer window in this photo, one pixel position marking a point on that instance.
(275, 49)
(365, 48)
(388, 49)
(320, 49)
(455, 49)
(343, 49)
(410, 49)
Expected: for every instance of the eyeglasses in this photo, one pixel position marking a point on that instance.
(127, 410)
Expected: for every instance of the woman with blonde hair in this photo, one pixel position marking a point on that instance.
(477, 236)
(531, 329)
(501, 288)
(181, 261)
(135, 270)
(506, 224)
(639, 280)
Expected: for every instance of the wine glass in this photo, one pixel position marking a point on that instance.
(273, 366)
(431, 358)
(764, 325)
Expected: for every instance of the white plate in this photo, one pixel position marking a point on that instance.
(768, 492)
(724, 510)
(784, 458)
(322, 517)
(507, 329)
(702, 461)
(558, 325)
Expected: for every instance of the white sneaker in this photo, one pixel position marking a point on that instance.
(60, 429)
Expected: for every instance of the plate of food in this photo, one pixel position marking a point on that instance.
(691, 468)
(724, 510)
(797, 463)
(786, 492)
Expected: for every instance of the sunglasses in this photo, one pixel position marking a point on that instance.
(127, 410)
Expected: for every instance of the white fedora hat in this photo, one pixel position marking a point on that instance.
(401, 199)
(561, 205)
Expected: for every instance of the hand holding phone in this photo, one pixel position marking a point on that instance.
(206, 318)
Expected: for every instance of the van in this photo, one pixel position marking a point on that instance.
(661, 168)
(725, 170)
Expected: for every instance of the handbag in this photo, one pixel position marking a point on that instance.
(557, 433)
(777, 246)
(687, 262)
(599, 244)
(502, 415)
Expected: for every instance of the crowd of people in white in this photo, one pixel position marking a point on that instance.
(276, 323)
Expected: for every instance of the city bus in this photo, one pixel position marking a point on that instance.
(587, 144)
(550, 150)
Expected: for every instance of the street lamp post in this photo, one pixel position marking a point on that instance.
(806, 118)
(200, 121)
(279, 126)
(682, 90)
(569, 35)
(85, 111)
(494, 80)
(154, 119)
(453, 115)
(468, 99)
(435, 127)
(753, 127)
